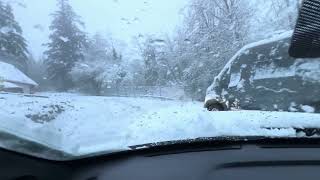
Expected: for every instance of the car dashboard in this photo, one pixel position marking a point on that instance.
(290, 159)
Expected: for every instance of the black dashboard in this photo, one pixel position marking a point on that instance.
(278, 159)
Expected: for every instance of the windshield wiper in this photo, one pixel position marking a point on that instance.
(224, 143)
(303, 132)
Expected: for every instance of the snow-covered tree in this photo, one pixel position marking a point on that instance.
(212, 32)
(273, 16)
(101, 68)
(150, 62)
(285, 13)
(161, 67)
(12, 44)
(66, 46)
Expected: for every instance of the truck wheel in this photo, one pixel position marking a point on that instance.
(216, 107)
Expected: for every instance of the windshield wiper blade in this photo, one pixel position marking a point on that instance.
(309, 132)
(228, 142)
(212, 141)
(301, 132)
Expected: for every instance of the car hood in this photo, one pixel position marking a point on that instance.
(46, 143)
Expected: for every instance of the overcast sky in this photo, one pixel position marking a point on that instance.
(121, 18)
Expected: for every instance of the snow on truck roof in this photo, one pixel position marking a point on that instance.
(278, 36)
(10, 73)
(244, 50)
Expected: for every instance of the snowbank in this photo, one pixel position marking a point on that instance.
(81, 125)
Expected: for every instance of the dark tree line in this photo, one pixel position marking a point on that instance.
(13, 46)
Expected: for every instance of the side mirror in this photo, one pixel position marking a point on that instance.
(305, 41)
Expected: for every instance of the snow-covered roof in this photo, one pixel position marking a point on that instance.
(9, 85)
(10, 73)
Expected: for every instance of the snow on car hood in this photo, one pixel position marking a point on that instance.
(81, 125)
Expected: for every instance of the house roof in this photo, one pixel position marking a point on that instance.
(11, 74)
(10, 85)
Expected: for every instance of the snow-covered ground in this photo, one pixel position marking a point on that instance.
(81, 125)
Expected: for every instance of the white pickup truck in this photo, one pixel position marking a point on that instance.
(262, 76)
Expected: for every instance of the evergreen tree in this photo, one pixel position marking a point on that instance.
(97, 49)
(66, 45)
(114, 54)
(150, 61)
(12, 44)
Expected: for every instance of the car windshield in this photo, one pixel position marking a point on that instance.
(79, 78)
